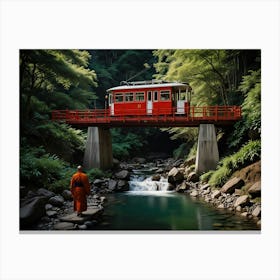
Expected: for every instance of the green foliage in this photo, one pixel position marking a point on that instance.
(125, 143)
(192, 151)
(220, 176)
(181, 151)
(96, 173)
(249, 153)
(250, 125)
(39, 169)
(60, 139)
(206, 176)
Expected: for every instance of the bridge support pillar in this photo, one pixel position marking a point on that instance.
(207, 155)
(98, 152)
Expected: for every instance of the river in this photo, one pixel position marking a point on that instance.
(149, 206)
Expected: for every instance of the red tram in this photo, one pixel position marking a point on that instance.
(149, 98)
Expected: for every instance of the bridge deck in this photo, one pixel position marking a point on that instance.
(218, 115)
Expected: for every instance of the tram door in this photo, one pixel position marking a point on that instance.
(149, 103)
(111, 105)
(180, 102)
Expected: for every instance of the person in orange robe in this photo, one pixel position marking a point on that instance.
(80, 188)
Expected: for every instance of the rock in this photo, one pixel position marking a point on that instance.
(194, 193)
(215, 194)
(103, 199)
(238, 208)
(64, 226)
(139, 160)
(116, 163)
(241, 201)
(259, 223)
(244, 214)
(178, 162)
(98, 182)
(255, 190)
(204, 187)
(257, 211)
(190, 161)
(175, 176)
(83, 227)
(90, 224)
(206, 191)
(90, 214)
(192, 177)
(67, 195)
(51, 213)
(232, 184)
(123, 175)
(159, 170)
(170, 187)
(183, 187)
(156, 177)
(122, 185)
(237, 192)
(112, 185)
(33, 211)
(229, 199)
(57, 200)
(45, 192)
(221, 206)
(48, 207)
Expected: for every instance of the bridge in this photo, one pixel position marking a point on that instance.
(218, 115)
(98, 151)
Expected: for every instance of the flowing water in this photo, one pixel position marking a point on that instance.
(149, 206)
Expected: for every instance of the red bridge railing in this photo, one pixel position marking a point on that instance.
(220, 115)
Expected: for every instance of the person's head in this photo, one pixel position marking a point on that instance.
(80, 168)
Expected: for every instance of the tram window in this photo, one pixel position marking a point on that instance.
(139, 96)
(119, 97)
(110, 99)
(165, 95)
(155, 96)
(129, 97)
(149, 96)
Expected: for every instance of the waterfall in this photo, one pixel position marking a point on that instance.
(140, 183)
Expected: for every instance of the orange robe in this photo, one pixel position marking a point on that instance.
(80, 188)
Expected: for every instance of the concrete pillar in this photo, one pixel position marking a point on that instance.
(98, 152)
(207, 155)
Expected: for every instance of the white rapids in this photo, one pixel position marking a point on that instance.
(136, 184)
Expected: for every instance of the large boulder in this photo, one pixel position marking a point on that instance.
(67, 195)
(45, 192)
(123, 175)
(215, 194)
(183, 187)
(64, 226)
(257, 211)
(255, 190)
(112, 185)
(192, 177)
(57, 200)
(241, 201)
(31, 212)
(175, 176)
(122, 186)
(98, 182)
(232, 184)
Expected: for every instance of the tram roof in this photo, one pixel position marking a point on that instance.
(179, 85)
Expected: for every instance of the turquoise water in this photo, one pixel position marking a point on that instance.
(161, 210)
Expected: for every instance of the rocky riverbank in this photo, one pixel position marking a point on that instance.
(45, 210)
(241, 194)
